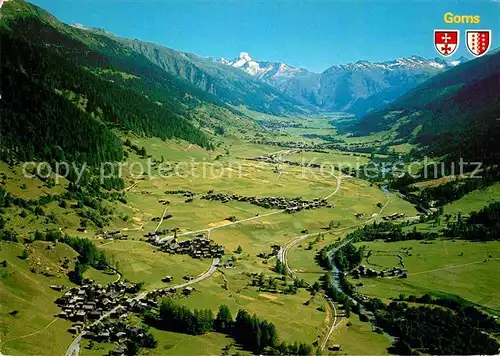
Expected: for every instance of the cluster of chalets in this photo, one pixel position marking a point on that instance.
(273, 202)
(90, 301)
(361, 271)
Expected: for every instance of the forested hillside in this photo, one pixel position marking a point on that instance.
(175, 72)
(44, 64)
(453, 113)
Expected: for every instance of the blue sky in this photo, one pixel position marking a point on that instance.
(309, 34)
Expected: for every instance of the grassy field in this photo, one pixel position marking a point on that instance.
(228, 172)
(474, 201)
(28, 187)
(232, 289)
(139, 261)
(466, 269)
(332, 158)
(170, 343)
(358, 338)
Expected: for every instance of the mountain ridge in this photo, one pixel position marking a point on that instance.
(454, 113)
(356, 87)
(245, 60)
(229, 84)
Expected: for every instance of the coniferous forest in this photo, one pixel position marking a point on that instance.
(38, 121)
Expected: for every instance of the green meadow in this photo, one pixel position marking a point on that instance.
(465, 269)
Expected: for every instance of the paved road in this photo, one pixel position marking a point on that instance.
(282, 253)
(282, 256)
(74, 348)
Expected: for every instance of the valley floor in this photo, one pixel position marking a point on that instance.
(248, 233)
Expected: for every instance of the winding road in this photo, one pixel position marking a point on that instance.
(282, 256)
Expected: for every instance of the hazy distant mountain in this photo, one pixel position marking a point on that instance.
(363, 86)
(354, 87)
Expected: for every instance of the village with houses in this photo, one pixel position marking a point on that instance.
(363, 272)
(101, 313)
(273, 202)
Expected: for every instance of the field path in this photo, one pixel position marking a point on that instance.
(128, 189)
(34, 333)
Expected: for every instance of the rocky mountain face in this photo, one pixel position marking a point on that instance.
(354, 87)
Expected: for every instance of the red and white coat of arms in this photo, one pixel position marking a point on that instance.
(478, 41)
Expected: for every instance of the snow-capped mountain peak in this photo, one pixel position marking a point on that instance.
(263, 70)
(340, 87)
(402, 63)
(245, 56)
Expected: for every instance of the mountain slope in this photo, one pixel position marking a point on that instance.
(455, 113)
(63, 98)
(363, 86)
(229, 85)
(354, 87)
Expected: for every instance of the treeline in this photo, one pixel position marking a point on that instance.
(253, 334)
(345, 291)
(323, 257)
(388, 232)
(456, 189)
(456, 111)
(179, 318)
(342, 295)
(481, 226)
(88, 256)
(36, 122)
(477, 317)
(436, 331)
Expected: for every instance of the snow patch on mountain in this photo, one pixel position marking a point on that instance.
(263, 70)
(269, 70)
(356, 87)
(2, 2)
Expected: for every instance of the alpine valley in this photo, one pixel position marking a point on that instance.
(157, 202)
